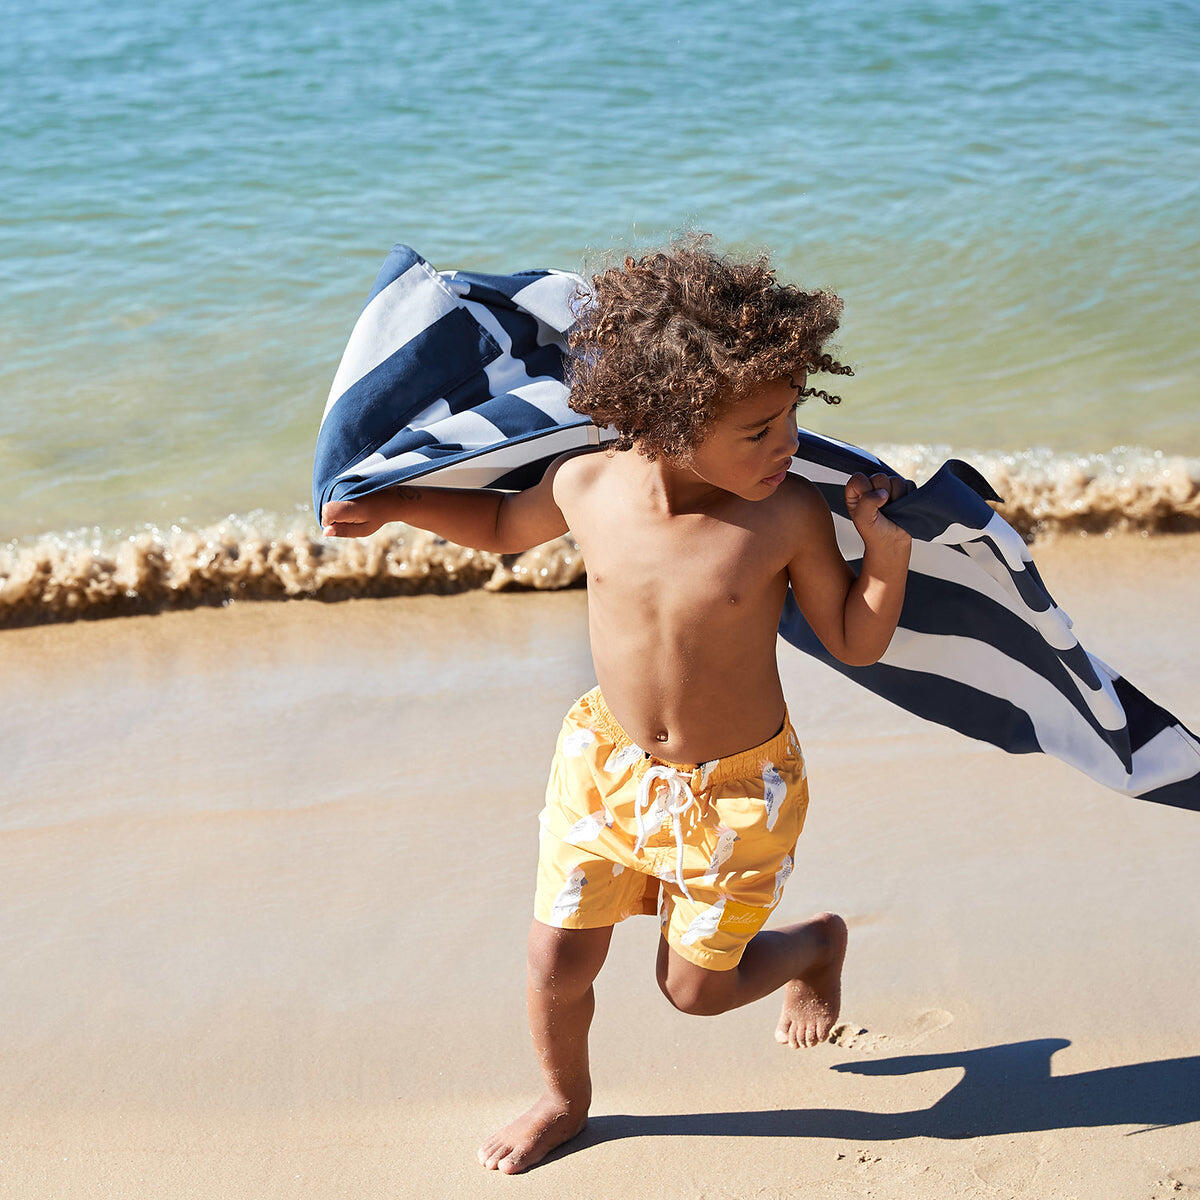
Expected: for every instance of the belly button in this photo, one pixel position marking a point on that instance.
(732, 599)
(661, 737)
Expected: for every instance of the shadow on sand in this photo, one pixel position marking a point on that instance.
(1004, 1089)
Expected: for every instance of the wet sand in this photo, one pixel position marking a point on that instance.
(268, 873)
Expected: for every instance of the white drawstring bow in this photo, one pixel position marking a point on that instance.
(682, 799)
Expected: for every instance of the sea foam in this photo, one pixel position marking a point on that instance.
(270, 556)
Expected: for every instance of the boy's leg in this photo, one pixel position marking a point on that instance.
(806, 958)
(562, 965)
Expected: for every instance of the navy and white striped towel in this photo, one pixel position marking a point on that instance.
(457, 378)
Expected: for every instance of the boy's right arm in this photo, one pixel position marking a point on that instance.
(500, 522)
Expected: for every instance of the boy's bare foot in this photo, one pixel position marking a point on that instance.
(811, 1002)
(549, 1123)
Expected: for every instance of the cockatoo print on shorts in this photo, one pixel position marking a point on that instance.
(577, 741)
(626, 756)
(781, 877)
(795, 748)
(720, 856)
(704, 924)
(588, 828)
(656, 813)
(566, 903)
(774, 790)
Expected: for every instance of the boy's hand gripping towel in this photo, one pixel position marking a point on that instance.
(457, 378)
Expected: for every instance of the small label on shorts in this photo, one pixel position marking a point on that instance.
(742, 918)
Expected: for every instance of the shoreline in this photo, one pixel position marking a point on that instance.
(57, 580)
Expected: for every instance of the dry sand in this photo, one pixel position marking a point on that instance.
(268, 871)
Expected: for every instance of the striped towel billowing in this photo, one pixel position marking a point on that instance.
(457, 378)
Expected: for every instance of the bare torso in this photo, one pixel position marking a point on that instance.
(683, 610)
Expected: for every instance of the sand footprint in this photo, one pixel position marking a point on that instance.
(1009, 1170)
(928, 1023)
(856, 1037)
(852, 1037)
(1182, 1179)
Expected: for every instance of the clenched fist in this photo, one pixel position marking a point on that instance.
(866, 496)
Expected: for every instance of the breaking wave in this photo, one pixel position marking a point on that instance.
(94, 573)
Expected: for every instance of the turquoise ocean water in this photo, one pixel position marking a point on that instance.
(197, 197)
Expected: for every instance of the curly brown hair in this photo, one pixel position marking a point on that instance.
(666, 343)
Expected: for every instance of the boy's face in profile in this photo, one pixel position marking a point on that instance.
(747, 451)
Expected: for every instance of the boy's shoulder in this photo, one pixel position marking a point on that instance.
(576, 469)
(799, 512)
(800, 492)
(796, 498)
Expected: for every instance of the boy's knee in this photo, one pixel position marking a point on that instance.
(565, 961)
(697, 992)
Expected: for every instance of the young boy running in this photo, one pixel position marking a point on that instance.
(678, 785)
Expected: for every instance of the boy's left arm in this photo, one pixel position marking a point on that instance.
(853, 618)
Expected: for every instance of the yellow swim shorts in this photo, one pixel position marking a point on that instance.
(619, 825)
